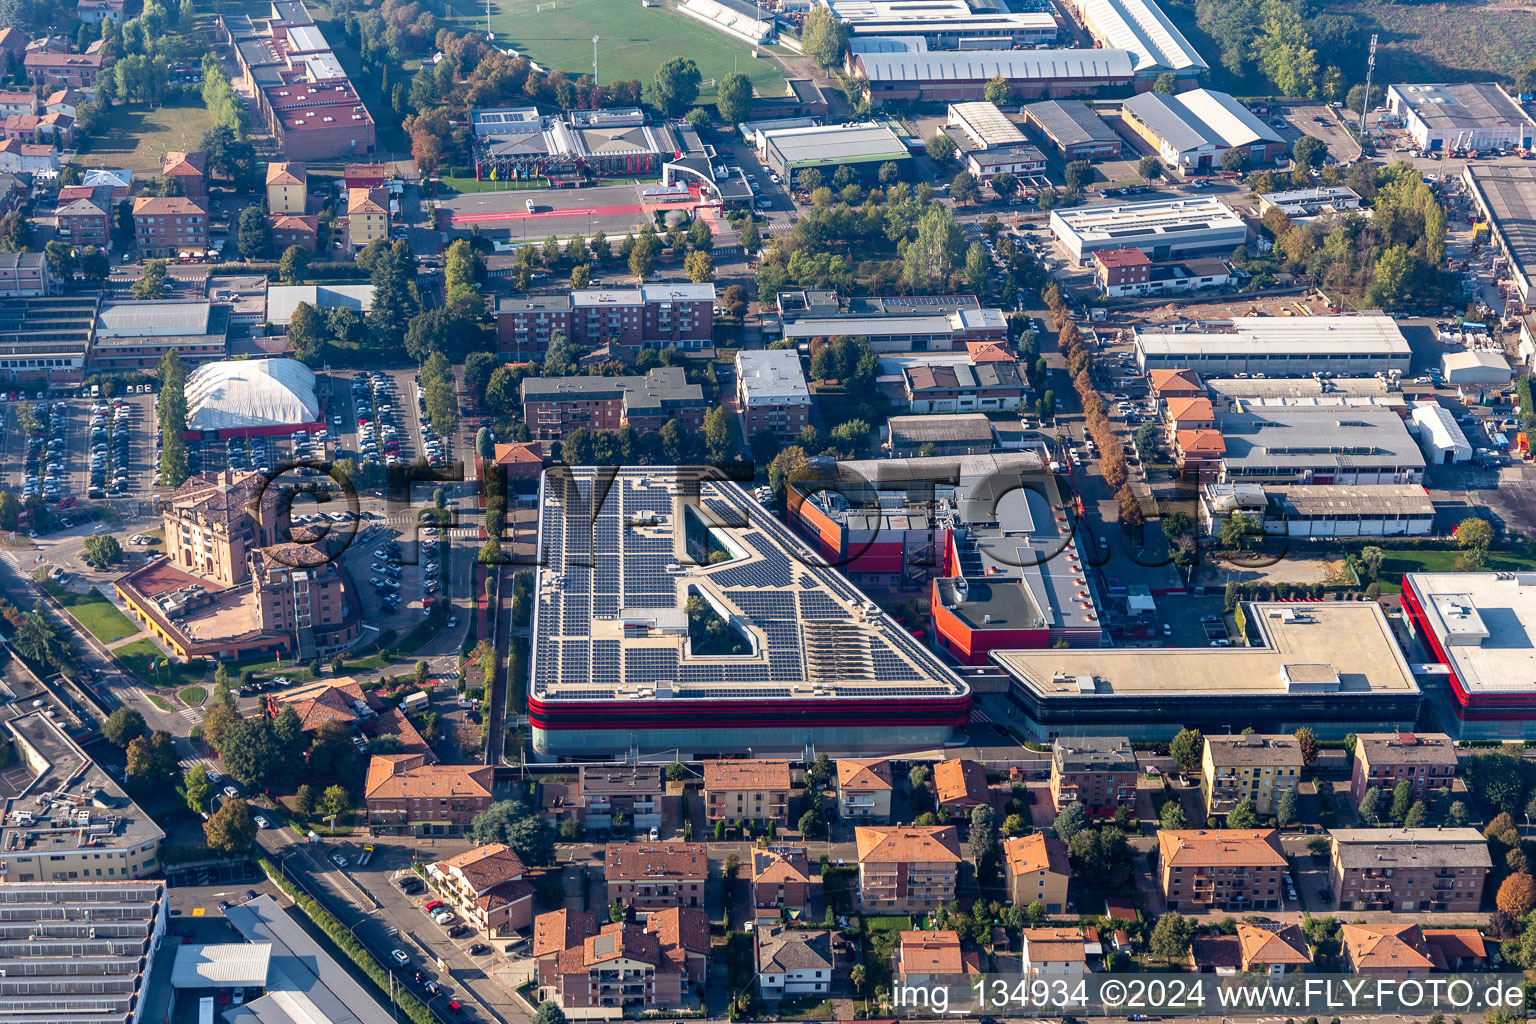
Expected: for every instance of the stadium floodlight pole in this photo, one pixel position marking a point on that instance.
(594, 60)
(488, 32)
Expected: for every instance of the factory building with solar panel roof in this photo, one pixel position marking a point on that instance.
(673, 612)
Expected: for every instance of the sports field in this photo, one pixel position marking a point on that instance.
(633, 40)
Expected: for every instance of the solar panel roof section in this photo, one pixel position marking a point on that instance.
(596, 631)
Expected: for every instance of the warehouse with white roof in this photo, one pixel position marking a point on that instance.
(1349, 345)
(1193, 129)
(1440, 436)
(1141, 28)
(1163, 229)
(948, 24)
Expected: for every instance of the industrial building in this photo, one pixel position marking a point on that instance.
(1120, 273)
(1291, 444)
(1476, 368)
(65, 817)
(789, 151)
(1334, 666)
(948, 77)
(1191, 130)
(133, 334)
(984, 124)
(949, 24)
(1141, 29)
(672, 612)
(1347, 345)
(46, 340)
(512, 143)
(1163, 229)
(1440, 436)
(1073, 130)
(892, 323)
(1505, 197)
(81, 951)
(967, 433)
(1462, 116)
(1480, 629)
(1303, 204)
(1321, 511)
(1021, 160)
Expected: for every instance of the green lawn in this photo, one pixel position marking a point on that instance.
(1398, 562)
(138, 655)
(138, 138)
(447, 186)
(193, 696)
(633, 40)
(159, 702)
(93, 611)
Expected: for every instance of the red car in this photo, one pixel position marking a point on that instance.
(431, 906)
(455, 1006)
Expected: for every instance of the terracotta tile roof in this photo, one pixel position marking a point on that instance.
(323, 702)
(773, 867)
(680, 928)
(397, 776)
(935, 953)
(296, 222)
(367, 200)
(511, 454)
(504, 894)
(1183, 410)
(1272, 945)
(1216, 951)
(1174, 380)
(989, 352)
(485, 866)
(289, 173)
(558, 931)
(960, 781)
(1036, 852)
(1386, 947)
(900, 844)
(1226, 847)
(1204, 444)
(185, 165)
(1456, 944)
(219, 497)
(1054, 945)
(167, 206)
(624, 862)
(626, 939)
(863, 775)
(394, 723)
(772, 776)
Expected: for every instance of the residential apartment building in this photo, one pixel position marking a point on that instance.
(624, 966)
(166, 225)
(287, 188)
(1426, 760)
(781, 881)
(1272, 949)
(24, 275)
(1098, 772)
(933, 957)
(72, 70)
(555, 406)
(1221, 869)
(211, 528)
(1038, 871)
(625, 319)
(487, 888)
(1129, 273)
(959, 787)
(793, 962)
(291, 229)
(405, 795)
(906, 869)
(771, 392)
(653, 876)
(631, 792)
(1055, 954)
(302, 592)
(367, 216)
(317, 121)
(963, 387)
(85, 216)
(864, 789)
(1408, 869)
(189, 171)
(755, 791)
(1249, 767)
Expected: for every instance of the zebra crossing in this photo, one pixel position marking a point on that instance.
(207, 763)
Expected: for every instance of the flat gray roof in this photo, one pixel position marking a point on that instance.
(1508, 193)
(1070, 123)
(834, 144)
(1313, 500)
(1377, 848)
(984, 65)
(1290, 436)
(950, 427)
(1462, 105)
(142, 318)
(1486, 624)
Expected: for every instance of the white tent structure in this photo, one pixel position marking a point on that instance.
(257, 395)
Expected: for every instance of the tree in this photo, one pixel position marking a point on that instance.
(1417, 816)
(983, 835)
(196, 788)
(998, 91)
(254, 233)
(1173, 817)
(246, 748)
(230, 828)
(152, 758)
(1402, 799)
(1236, 529)
(309, 334)
(857, 976)
(810, 824)
(335, 802)
(1495, 781)
(823, 37)
(1309, 152)
(304, 800)
(1368, 562)
(1150, 168)
(941, 149)
(1457, 814)
(1015, 825)
(1076, 174)
(1243, 815)
(963, 188)
(1474, 536)
(395, 300)
(930, 258)
(733, 98)
(102, 550)
(675, 86)
(789, 464)
(151, 283)
(1370, 803)
(1285, 811)
(1004, 185)
(1306, 744)
(549, 1013)
(699, 266)
(93, 264)
(1187, 748)
(1234, 161)
(123, 726)
(1166, 83)
(293, 267)
(1070, 820)
(1517, 895)
(1171, 936)
(581, 276)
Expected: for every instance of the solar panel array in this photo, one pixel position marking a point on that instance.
(626, 559)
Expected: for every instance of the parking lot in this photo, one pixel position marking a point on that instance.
(67, 450)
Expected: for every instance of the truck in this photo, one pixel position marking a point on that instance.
(415, 701)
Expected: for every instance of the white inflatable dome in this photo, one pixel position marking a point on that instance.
(250, 393)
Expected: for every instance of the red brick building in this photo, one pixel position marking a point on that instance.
(63, 69)
(316, 122)
(1117, 269)
(781, 881)
(405, 795)
(291, 229)
(626, 319)
(555, 406)
(189, 171)
(653, 876)
(163, 225)
(1383, 759)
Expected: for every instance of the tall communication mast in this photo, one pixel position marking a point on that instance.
(1365, 105)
